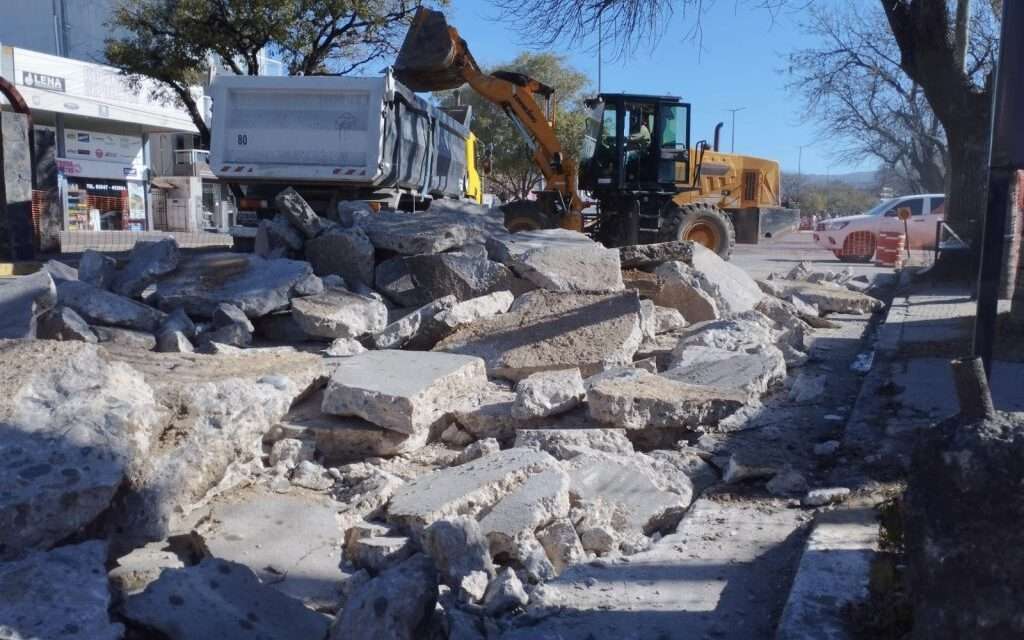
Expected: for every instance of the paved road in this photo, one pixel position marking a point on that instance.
(781, 255)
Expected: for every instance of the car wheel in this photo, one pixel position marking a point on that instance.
(858, 246)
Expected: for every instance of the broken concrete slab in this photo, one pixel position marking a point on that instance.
(649, 499)
(178, 320)
(546, 330)
(568, 443)
(679, 288)
(344, 347)
(750, 373)
(548, 393)
(173, 342)
(148, 261)
(474, 309)
(338, 313)
(124, 338)
(22, 301)
(701, 474)
(393, 279)
(282, 327)
(61, 593)
(221, 408)
(460, 552)
(344, 252)
(788, 482)
(59, 271)
(466, 489)
(828, 298)
(822, 497)
(220, 600)
(462, 274)
(404, 391)
(437, 229)
(256, 528)
(487, 413)
(636, 399)
(378, 553)
(342, 439)
(739, 335)
(505, 593)
(536, 502)
(418, 330)
(559, 260)
(478, 449)
(639, 256)
(103, 307)
(277, 238)
(136, 569)
(561, 544)
(298, 212)
(397, 604)
(253, 284)
(97, 269)
(62, 323)
(73, 424)
(733, 289)
(668, 320)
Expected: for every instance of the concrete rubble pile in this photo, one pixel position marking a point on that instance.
(377, 425)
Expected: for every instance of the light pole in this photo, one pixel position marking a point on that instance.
(800, 169)
(733, 144)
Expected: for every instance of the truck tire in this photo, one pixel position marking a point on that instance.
(526, 215)
(704, 224)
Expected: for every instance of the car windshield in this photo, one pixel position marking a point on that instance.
(881, 207)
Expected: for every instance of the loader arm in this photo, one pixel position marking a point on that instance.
(434, 57)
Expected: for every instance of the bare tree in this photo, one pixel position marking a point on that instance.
(853, 85)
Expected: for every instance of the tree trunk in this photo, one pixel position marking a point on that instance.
(1015, 261)
(967, 196)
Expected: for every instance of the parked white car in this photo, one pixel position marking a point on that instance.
(854, 238)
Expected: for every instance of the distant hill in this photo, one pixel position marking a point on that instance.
(858, 179)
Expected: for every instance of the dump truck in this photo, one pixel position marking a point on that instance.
(339, 138)
(637, 180)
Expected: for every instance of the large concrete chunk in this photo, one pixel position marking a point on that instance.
(103, 307)
(466, 489)
(419, 330)
(253, 284)
(474, 309)
(457, 273)
(337, 313)
(649, 499)
(125, 338)
(487, 413)
(344, 252)
(828, 298)
(538, 501)
(567, 443)
(546, 330)
(148, 261)
(22, 301)
(460, 552)
(277, 238)
(740, 335)
(440, 228)
(58, 594)
(396, 605)
(559, 260)
(220, 600)
(679, 288)
(97, 269)
(257, 528)
(733, 289)
(63, 323)
(651, 255)
(343, 439)
(548, 393)
(299, 213)
(71, 425)
(637, 399)
(751, 373)
(404, 391)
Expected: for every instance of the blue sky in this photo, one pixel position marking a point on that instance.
(740, 64)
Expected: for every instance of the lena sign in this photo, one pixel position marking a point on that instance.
(42, 81)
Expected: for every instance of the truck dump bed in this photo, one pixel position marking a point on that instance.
(341, 131)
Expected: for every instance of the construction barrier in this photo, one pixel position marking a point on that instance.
(891, 249)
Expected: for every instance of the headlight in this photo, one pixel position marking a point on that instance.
(835, 226)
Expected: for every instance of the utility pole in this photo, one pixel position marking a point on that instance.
(800, 169)
(733, 111)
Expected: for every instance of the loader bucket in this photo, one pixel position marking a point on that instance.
(425, 61)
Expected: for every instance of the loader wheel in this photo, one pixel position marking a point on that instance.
(525, 215)
(701, 223)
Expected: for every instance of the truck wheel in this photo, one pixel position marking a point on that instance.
(701, 223)
(525, 215)
(859, 246)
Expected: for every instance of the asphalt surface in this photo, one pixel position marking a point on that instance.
(784, 253)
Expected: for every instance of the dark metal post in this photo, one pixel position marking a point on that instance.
(1006, 155)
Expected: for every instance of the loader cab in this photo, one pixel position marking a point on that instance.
(636, 143)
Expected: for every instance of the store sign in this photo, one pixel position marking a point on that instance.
(53, 83)
(42, 81)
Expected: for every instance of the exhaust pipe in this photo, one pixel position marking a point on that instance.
(718, 133)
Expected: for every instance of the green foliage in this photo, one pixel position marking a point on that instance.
(514, 174)
(172, 41)
(830, 199)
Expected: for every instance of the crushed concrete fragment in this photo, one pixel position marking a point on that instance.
(173, 342)
(828, 299)
(135, 570)
(62, 323)
(312, 476)
(478, 449)
(97, 269)
(290, 452)
(125, 338)
(148, 261)
(463, 274)
(822, 497)
(378, 553)
(103, 307)
(60, 593)
(347, 253)
(405, 391)
(418, 330)
(541, 498)
(668, 320)
(750, 373)
(217, 599)
(678, 288)
(564, 444)
(545, 330)
(440, 228)
(344, 347)
(339, 313)
(637, 399)
(651, 255)
(277, 238)
(559, 260)
(504, 593)
(460, 552)
(299, 213)
(561, 544)
(807, 387)
(394, 605)
(787, 482)
(474, 309)
(548, 393)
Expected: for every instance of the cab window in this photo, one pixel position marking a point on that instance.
(914, 204)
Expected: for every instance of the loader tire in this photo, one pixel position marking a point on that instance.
(526, 215)
(704, 224)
